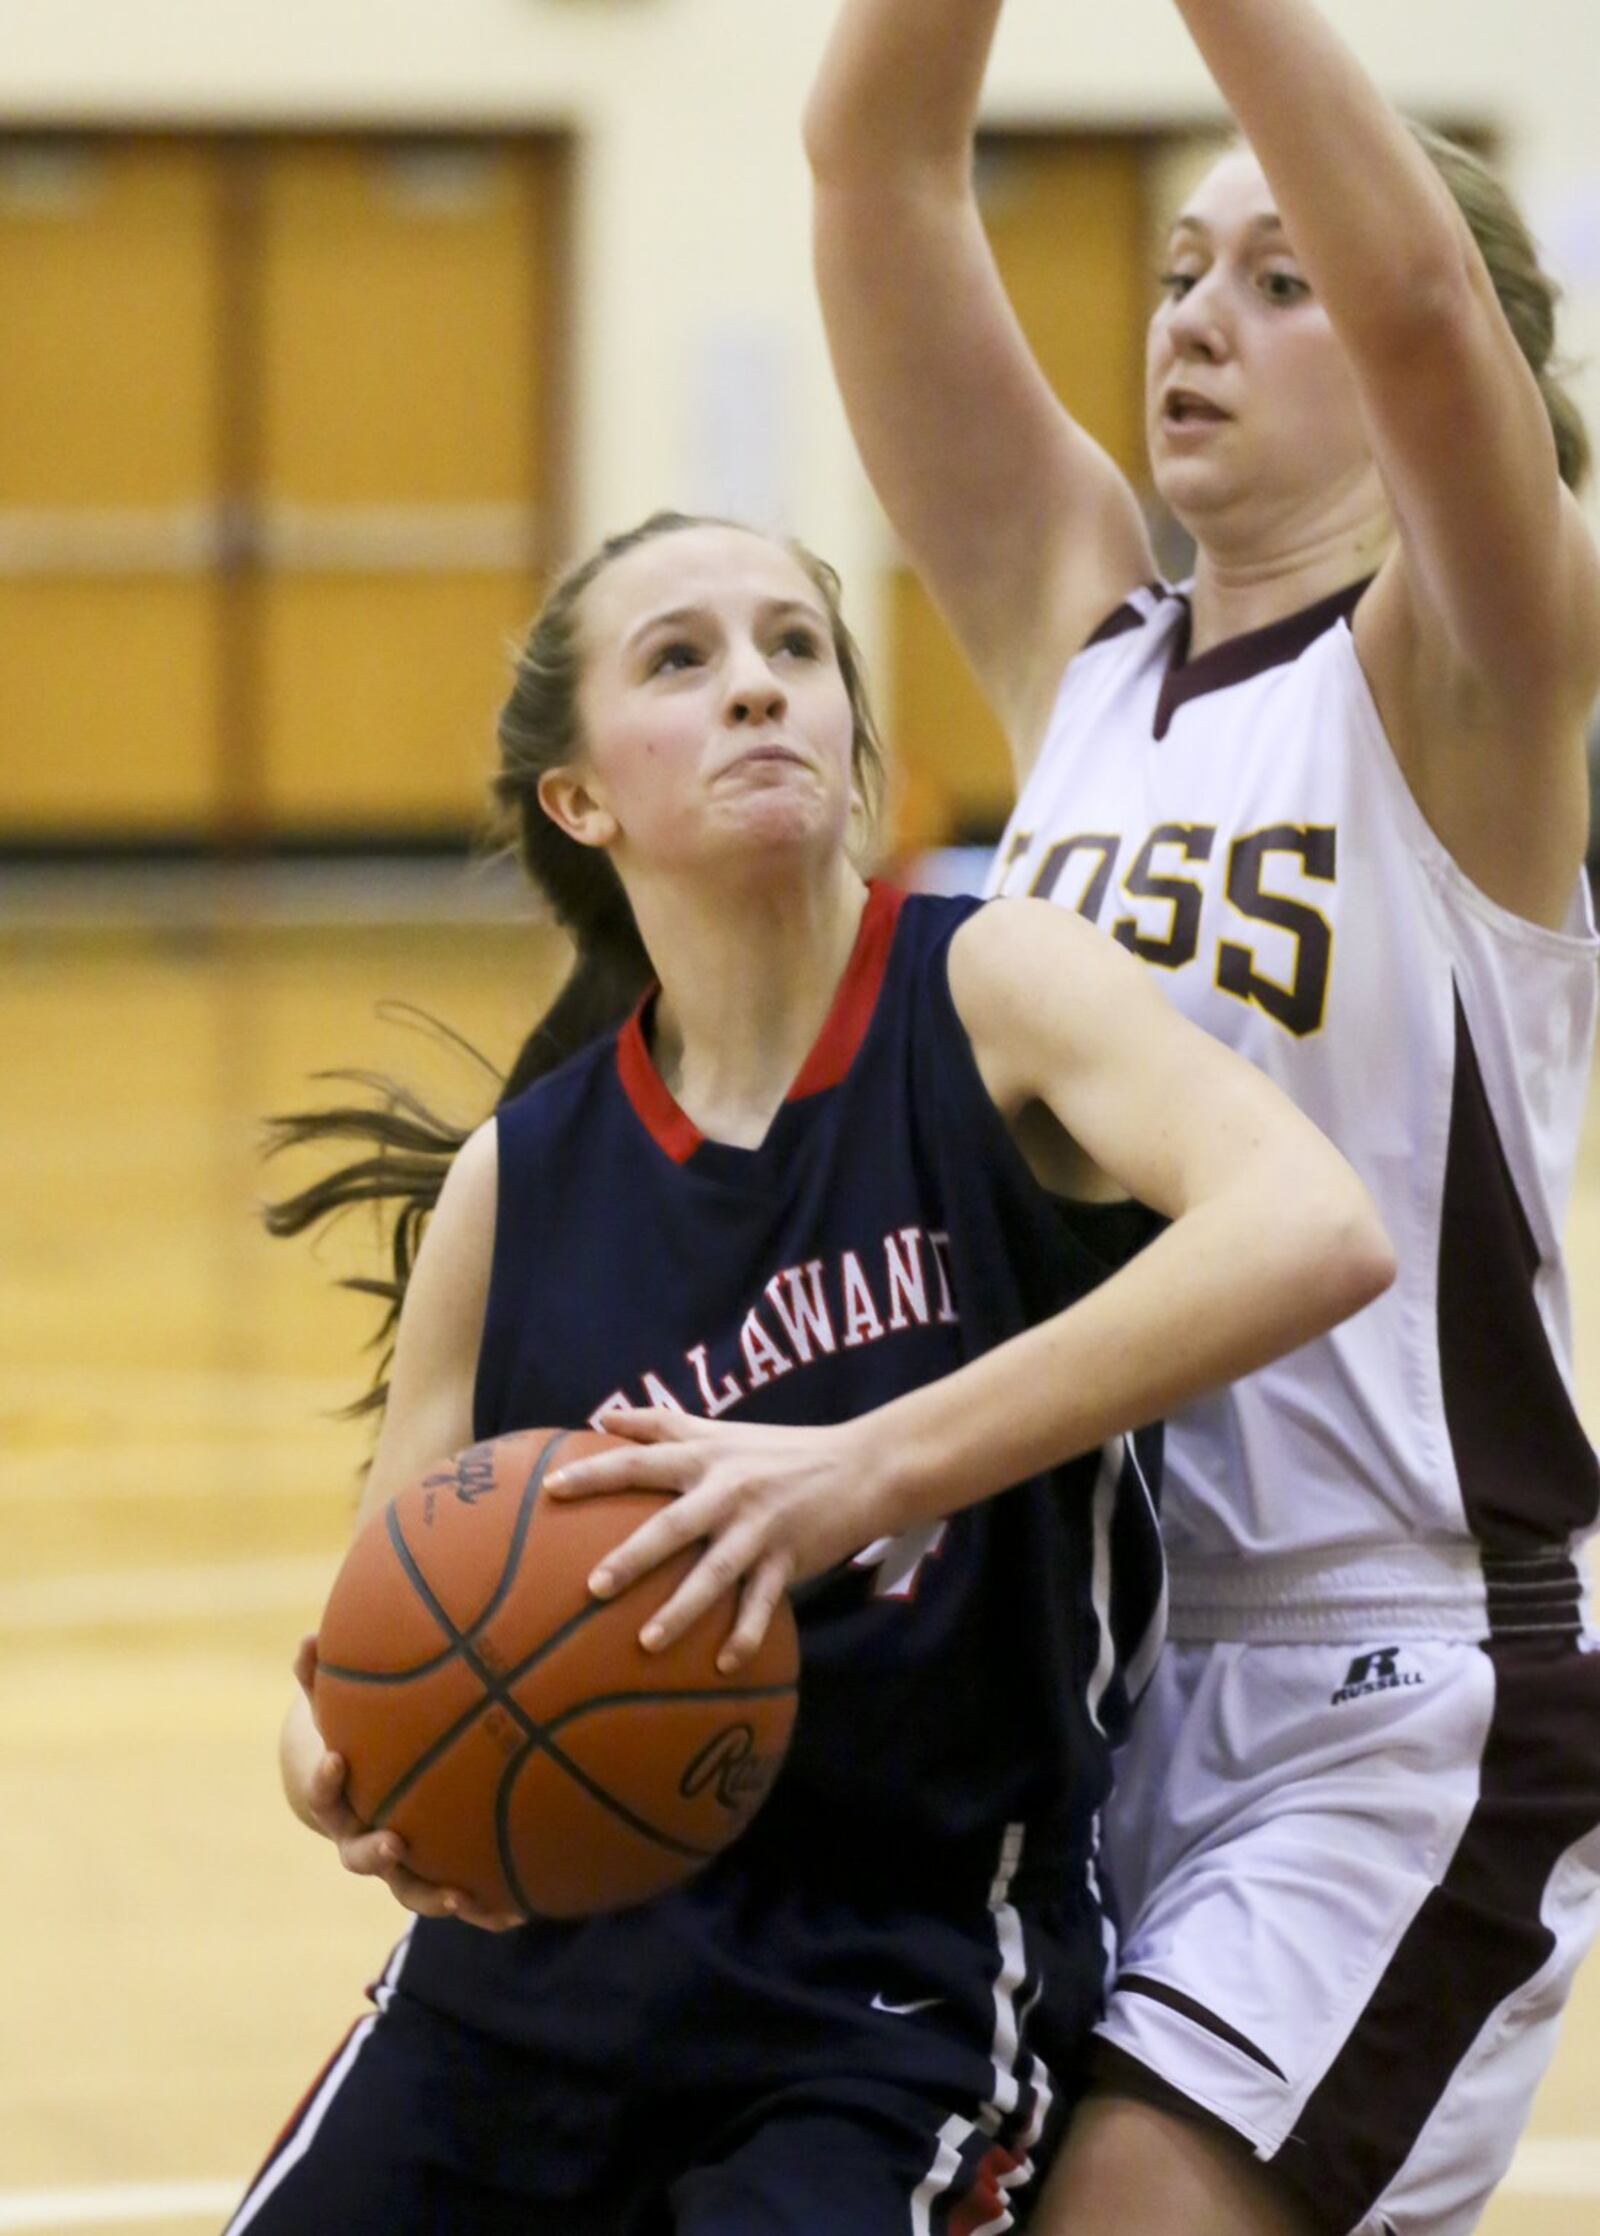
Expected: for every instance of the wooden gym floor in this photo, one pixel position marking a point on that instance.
(179, 1956)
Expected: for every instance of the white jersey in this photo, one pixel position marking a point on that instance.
(1240, 822)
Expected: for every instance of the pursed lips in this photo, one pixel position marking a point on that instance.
(756, 756)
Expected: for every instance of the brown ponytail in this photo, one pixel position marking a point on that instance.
(1528, 295)
(409, 1149)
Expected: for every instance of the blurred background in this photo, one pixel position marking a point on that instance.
(326, 333)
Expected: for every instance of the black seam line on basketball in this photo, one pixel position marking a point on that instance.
(455, 1638)
(385, 1676)
(463, 1639)
(459, 1642)
(535, 1733)
(520, 1528)
(539, 1743)
(502, 1834)
(425, 1669)
(495, 1685)
(494, 1692)
(716, 1693)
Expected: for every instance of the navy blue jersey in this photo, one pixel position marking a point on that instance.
(966, 1679)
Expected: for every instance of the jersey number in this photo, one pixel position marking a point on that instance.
(1159, 873)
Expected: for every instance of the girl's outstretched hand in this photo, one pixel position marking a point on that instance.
(314, 1781)
(772, 1506)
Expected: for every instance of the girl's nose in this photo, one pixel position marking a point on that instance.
(755, 694)
(1196, 323)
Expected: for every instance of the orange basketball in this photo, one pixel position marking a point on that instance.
(507, 1724)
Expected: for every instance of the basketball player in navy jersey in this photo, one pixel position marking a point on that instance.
(1333, 793)
(847, 1165)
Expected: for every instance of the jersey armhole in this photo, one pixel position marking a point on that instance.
(1575, 939)
(1132, 613)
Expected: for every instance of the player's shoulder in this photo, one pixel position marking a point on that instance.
(1007, 941)
(924, 918)
(552, 1099)
(917, 969)
(902, 939)
(457, 1243)
(1145, 628)
(1024, 971)
(467, 1197)
(1090, 687)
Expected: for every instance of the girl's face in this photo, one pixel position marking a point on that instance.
(715, 719)
(1252, 416)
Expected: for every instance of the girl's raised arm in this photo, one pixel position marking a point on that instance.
(1482, 637)
(1021, 526)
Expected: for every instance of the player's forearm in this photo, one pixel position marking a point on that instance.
(1368, 216)
(1234, 1283)
(899, 87)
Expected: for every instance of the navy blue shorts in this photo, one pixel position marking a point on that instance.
(863, 2074)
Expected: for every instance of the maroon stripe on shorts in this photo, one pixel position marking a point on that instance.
(1529, 1477)
(1476, 1940)
(1542, 1593)
(1135, 1983)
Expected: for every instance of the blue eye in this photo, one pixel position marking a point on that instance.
(679, 654)
(802, 643)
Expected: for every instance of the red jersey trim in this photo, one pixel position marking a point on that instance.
(670, 1128)
(845, 1026)
(833, 1052)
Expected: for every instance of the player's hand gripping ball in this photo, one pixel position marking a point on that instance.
(507, 1724)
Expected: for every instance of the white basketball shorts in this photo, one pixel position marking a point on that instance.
(1356, 1883)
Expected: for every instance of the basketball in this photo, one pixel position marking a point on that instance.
(507, 1724)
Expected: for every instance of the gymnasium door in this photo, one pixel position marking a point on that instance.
(110, 472)
(276, 428)
(407, 329)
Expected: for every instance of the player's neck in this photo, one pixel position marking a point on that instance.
(1237, 590)
(746, 987)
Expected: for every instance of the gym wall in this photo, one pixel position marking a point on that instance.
(665, 349)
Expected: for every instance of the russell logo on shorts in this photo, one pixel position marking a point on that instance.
(1377, 1672)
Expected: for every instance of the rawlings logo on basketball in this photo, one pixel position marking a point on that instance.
(729, 1765)
(470, 1475)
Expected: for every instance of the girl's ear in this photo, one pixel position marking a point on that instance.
(565, 796)
(861, 835)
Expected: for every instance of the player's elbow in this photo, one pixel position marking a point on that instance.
(1349, 1258)
(824, 133)
(1426, 314)
(871, 149)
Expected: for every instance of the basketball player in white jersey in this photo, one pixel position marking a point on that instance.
(1333, 792)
